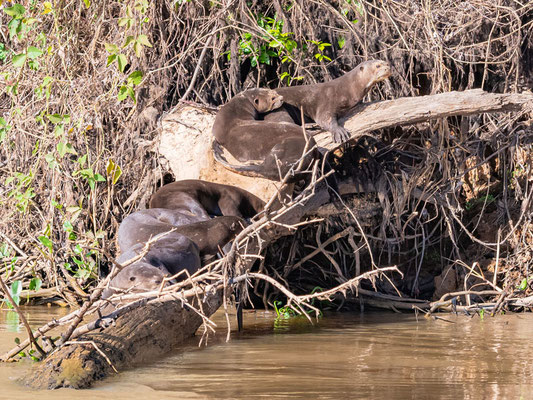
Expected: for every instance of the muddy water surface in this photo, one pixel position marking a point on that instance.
(344, 356)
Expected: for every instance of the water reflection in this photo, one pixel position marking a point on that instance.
(344, 356)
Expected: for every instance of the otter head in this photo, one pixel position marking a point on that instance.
(265, 100)
(139, 277)
(372, 72)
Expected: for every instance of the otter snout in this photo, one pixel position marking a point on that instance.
(277, 101)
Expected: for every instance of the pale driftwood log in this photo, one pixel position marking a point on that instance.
(413, 110)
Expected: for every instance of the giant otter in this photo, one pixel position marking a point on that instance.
(276, 145)
(327, 102)
(172, 252)
(144, 220)
(135, 278)
(207, 198)
(175, 247)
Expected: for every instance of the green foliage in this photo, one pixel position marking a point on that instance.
(488, 199)
(14, 291)
(135, 17)
(523, 285)
(352, 4)
(21, 189)
(283, 312)
(320, 56)
(4, 128)
(272, 43)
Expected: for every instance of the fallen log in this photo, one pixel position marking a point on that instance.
(148, 332)
(413, 110)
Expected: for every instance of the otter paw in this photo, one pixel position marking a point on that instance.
(341, 135)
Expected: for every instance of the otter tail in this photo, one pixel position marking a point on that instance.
(247, 170)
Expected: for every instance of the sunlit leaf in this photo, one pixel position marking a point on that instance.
(34, 52)
(122, 61)
(16, 11)
(46, 242)
(143, 39)
(19, 60)
(35, 284)
(136, 77)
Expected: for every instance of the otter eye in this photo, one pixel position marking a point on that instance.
(256, 101)
(132, 278)
(361, 68)
(158, 282)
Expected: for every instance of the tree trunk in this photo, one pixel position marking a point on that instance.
(141, 335)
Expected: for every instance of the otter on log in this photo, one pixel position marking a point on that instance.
(135, 278)
(327, 102)
(181, 243)
(276, 145)
(206, 199)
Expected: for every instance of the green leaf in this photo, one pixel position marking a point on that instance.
(523, 285)
(110, 59)
(46, 242)
(129, 40)
(122, 61)
(55, 118)
(138, 48)
(111, 48)
(122, 93)
(16, 288)
(131, 93)
(67, 226)
(64, 148)
(82, 160)
(19, 60)
(143, 39)
(51, 160)
(99, 178)
(35, 284)
(341, 42)
(16, 11)
(34, 52)
(135, 77)
(14, 27)
(87, 3)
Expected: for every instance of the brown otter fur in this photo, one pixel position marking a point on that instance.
(276, 145)
(207, 237)
(246, 106)
(327, 102)
(136, 277)
(207, 198)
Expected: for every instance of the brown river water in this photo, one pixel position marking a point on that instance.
(343, 356)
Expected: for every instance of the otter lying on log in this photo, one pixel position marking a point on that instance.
(135, 278)
(276, 145)
(325, 103)
(179, 245)
(206, 199)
